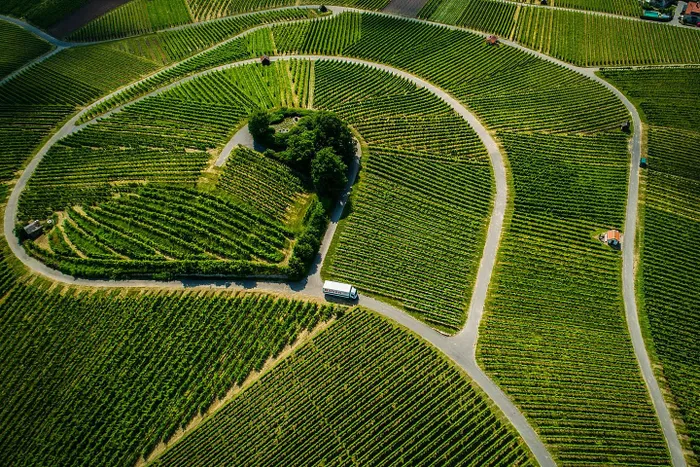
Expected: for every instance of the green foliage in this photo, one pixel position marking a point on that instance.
(670, 241)
(19, 47)
(578, 37)
(308, 243)
(370, 380)
(43, 13)
(100, 377)
(262, 182)
(328, 173)
(259, 125)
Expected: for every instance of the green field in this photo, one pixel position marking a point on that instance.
(25, 47)
(580, 38)
(671, 229)
(135, 17)
(97, 376)
(43, 13)
(100, 377)
(409, 406)
(444, 10)
(550, 248)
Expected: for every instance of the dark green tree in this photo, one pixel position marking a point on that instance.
(328, 173)
(259, 126)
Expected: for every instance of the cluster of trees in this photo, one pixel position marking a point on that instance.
(319, 146)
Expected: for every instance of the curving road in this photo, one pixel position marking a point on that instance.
(312, 285)
(461, 348)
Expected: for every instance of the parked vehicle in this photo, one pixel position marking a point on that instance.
(690, 20)
(338, 289)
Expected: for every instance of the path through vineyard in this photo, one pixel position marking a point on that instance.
(461, 348)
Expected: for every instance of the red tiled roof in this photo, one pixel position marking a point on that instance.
(613, 235)
(693, 8)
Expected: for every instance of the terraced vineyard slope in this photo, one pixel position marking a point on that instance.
(19, 47)
(123, 190)
(581, 38)
(417, 226)
(100, 377)
(558, 288)
(365, 391)
(669, 276)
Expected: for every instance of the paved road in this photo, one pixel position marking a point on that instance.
(311, 286)
(461, 347)
(36, 31)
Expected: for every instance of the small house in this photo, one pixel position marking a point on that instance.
(625, 126)
(613, 238)
(323, 9)
(265, 60)
(692, 9)
(543, 2)
(492, 40)
(33, 229)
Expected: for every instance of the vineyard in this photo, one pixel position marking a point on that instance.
(577, 37)
(110, 222)
(26, 47)
(175, 44)
(364, 392)
(136, 194)
(135, 17)
(268, 185)
(100, 377)
(669, 274)
(419, 214)
(447, 10)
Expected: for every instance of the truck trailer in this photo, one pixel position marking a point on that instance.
(338, 289)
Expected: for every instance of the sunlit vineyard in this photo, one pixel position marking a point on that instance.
(388, 397)
(89, 182)
(448, 10)
(270, 186)
(671, 235)
(101, 376)
(416, 229)
(112, 373)
(580, 191)
(135, 17)
(577, 37)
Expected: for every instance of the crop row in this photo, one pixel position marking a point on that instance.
(102, 376)
(554, 335)
(670, 239)
(20, 47)
(135, 17)
(362, 392)
(418, 217)
(269, 186)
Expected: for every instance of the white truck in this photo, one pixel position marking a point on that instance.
(338, 289)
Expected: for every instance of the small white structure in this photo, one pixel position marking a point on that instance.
(33, 229)
(338, 289)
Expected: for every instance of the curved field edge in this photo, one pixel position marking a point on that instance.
(105, 374)
(320, 383)
(666, 286)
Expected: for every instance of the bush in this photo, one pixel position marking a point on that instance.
(328, 173)
(259, 126)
